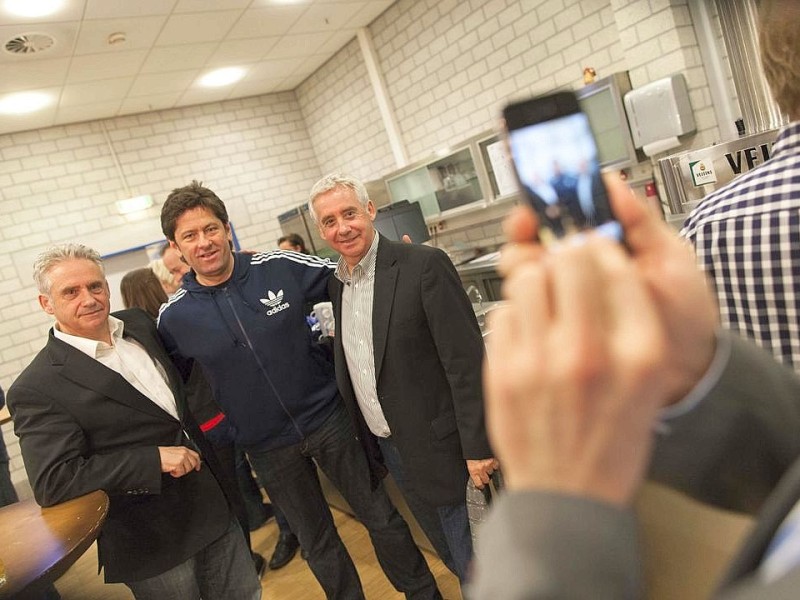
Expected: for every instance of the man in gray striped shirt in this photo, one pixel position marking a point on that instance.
(408, 355)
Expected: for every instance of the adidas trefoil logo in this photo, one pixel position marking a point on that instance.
(275, 302)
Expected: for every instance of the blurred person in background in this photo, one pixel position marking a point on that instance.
(746, 234)
(8, 495)
(175, 264)
(164, 276)
(292, 242)
(141, 288)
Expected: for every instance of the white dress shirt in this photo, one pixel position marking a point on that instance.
(129, 359)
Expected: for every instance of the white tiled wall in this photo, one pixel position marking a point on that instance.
(342, 118)
(448, 65)
(60, 184)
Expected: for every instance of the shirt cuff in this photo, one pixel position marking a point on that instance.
(702, 388)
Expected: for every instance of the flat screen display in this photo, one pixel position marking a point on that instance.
(402, 218)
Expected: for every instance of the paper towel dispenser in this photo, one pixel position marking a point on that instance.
(658, 113)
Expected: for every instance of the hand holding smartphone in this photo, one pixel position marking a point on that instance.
(556, 164)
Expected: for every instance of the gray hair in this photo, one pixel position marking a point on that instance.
(332, 181)
(56, 255)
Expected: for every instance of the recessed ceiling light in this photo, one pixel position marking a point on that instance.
(224, 76)
(32, 8)
(23, 102)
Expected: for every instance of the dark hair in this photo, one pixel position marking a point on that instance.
(294, 240)
(141, 288)
(187, 198)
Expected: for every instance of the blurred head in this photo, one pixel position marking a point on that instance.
(779, 39)
(175, 265)
(72, 287)
(163, 275)
(341, 207)
(141, 288)
(195, 222)
(292, 242)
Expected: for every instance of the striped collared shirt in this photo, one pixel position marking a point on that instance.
(356, 333)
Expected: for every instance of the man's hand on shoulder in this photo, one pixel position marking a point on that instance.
(178, 460)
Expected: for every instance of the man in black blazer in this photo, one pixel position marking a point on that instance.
(408, 354)
(103, 407)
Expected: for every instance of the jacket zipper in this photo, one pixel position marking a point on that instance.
(261, 365)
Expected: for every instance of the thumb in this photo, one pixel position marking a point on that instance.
(645, 231)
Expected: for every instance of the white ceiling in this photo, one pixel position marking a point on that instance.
(170, 44)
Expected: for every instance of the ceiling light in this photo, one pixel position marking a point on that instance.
(220, 77)
(130, 205)
(21, 103)
(32, 8)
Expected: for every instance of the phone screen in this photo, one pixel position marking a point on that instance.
(559, 174)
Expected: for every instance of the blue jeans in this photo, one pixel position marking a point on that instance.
(223, 570)
(290, 477)
(251, 494)
(447, 527)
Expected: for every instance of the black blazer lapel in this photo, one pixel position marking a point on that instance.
(87, 372)
(386, 271)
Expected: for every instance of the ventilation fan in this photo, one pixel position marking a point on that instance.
(29, 43)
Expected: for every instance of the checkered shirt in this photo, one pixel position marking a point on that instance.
(747, 239)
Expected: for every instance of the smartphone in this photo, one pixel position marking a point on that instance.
(556, 163)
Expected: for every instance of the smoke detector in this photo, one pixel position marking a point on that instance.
(29, 43)
(116, 38)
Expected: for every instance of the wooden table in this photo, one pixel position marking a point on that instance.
(37, 545)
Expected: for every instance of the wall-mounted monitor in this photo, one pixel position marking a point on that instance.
(602, 101)
(402, 218)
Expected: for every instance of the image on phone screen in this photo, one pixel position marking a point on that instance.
(559, 175)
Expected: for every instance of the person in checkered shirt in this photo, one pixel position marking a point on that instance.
(747, 234)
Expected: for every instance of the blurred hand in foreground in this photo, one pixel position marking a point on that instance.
(593, 342)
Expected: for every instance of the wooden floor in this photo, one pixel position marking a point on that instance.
(293, 582)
